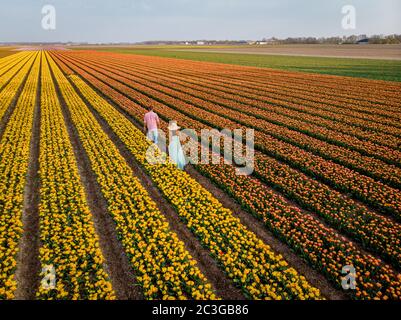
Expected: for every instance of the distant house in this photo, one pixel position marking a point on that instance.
(363, 41)
(200, 43)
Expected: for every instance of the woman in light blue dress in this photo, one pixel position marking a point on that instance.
(174, 148)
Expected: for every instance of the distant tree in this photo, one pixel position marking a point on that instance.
(352, 39)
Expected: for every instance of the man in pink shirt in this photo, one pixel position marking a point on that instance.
(151, 121)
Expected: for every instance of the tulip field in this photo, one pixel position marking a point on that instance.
(79, 197)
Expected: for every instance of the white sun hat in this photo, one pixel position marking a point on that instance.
(172, 126)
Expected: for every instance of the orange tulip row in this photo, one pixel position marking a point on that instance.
(269, 97)
(321, 246)
(372, 192)
(254, 103)
(12, 80)
(322, 96)
(357, 93)
(275, 103)
(382, 93)
(366, 165)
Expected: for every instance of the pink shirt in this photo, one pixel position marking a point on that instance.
(150, 120)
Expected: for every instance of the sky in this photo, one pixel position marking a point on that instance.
(102, 21)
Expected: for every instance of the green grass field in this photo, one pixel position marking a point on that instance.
(389, 70)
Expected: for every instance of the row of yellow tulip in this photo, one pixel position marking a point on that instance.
(247, 260)
(6, 71)
(163, 266)
(5, 66)
(381, 235)
(9, 61)
(14, 155)
(68, 240)
(12, 81)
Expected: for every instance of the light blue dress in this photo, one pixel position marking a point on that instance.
(175, 152)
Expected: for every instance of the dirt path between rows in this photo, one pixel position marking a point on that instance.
(117, 264)
(222, 285)
(27, 274)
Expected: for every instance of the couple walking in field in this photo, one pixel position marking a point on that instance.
(151, 124)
